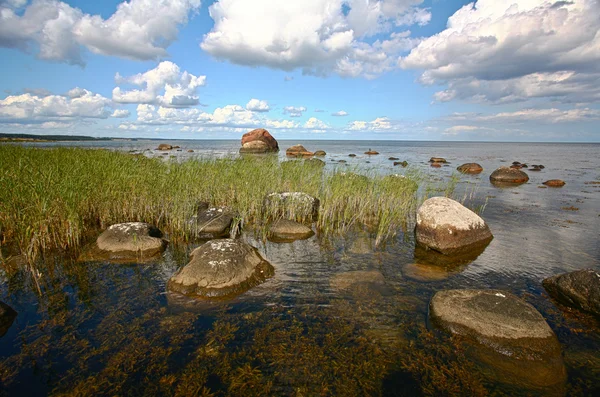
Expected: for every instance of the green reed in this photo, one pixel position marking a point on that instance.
(58, 198)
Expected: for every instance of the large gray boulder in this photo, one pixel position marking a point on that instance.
(292, 205)
(7, 316)
(284, 230)
(446, 226)
(212, 222)
(220, 269)
(510, 338)
(579, 289)
(129, 241)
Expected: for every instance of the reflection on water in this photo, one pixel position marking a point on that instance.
(340, 316)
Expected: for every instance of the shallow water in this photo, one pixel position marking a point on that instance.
(108, 329)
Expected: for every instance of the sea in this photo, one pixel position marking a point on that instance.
(115, 330)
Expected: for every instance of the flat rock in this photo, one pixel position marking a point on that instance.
(284, 230)
(371, 152)
(448, 227)
(221, 269)
(470, 168)
(213, 222)
(7, 317)
(437, 160)
(509, 176)
(555, 183)
(298, 151)
(130, 241)
(579, 289)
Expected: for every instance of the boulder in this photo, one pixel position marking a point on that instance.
(164, 146)
(320, 153)
(579, 289)
(509, 336)
(292, 205)
(508, 176)
(448, 227)
(437, 160)
(436, 165)
(284, 230)
(259, 141)
(130, 242)
(298, 151)
(470, 168)
(7, 316)
(555, 183)
(371, 152)
(213, 222)
(221, 269)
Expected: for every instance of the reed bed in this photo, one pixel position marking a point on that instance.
(58, 198)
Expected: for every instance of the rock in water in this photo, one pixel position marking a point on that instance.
(298, 151)
(292, 205)
(579, 289)
(508, 176)
(437, 160)
(509, 336)
(130, 241)
(448, 227)
(554, 183)
(371, 152)
(164, 146)
(470, 168)
(220, 269)
(212, 222)
(320, 153)
(341, 281)
(284, 230)
(259, 141)
(7, 316)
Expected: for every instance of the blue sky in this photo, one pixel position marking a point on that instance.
(517, 70)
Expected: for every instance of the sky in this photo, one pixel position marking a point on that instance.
(489, 70)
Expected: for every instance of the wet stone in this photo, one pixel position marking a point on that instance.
(215, 222)
(579, 289)
(7, 317)
(508, 176)
(284, 230)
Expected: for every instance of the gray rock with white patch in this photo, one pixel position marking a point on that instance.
(131, 240)
(213, 222)
(220, 269)
(579, 289)
(292, 205)
(448, 227)
(284, 230)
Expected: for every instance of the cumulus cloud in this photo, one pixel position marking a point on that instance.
(120, 113)
(77, 104)
(314, 123)
(317, 36)
(294, 111)
(166, 85)
(379, 124)
(138, 29)
(341, 113)
(499, 51)
(255, 105)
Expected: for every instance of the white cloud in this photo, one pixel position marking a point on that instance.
(546, 116)
(294, 111)
(120, 113)
(256, 105)
(317, 36)
(138, 29)
(341, 113)
(455, 130)
(77, 104)
(178, 88)
(314, 123)
(507, 51)
(379, 124)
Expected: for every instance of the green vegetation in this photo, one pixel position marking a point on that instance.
(58, 198)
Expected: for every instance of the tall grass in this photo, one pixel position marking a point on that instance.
(57, 198)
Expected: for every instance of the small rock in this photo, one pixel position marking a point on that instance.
(437, 160)
(393, 158)
(554, 183)
(210, 223)
(190, 151)
(448, 227)
(508, 176)
(579, 289)
(221, 269)
(130, 241)
(404, 164)
(284, 230)
(320, 153)
(371, 152)
(470, 168)
(298, 151)
(351, 155)
(164, 146)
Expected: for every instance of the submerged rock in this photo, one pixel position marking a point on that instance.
(342, 281)
(393, 158)
(221, 269)
(508, 176)
(404, 163)
(292, 205)
(284, 230)
(320, 153)
(128, 242)
(555, 183)
(164, 146)
(259, 141)
(7, 317)
(470, 168)
(510, 337)
(446, 226)
(371, 152)
(212, 222)
(579, 289)
(351, 155)
(437, 160)
(298, 151)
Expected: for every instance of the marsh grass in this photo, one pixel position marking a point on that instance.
(59, 198)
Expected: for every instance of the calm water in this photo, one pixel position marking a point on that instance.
(106, 329)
